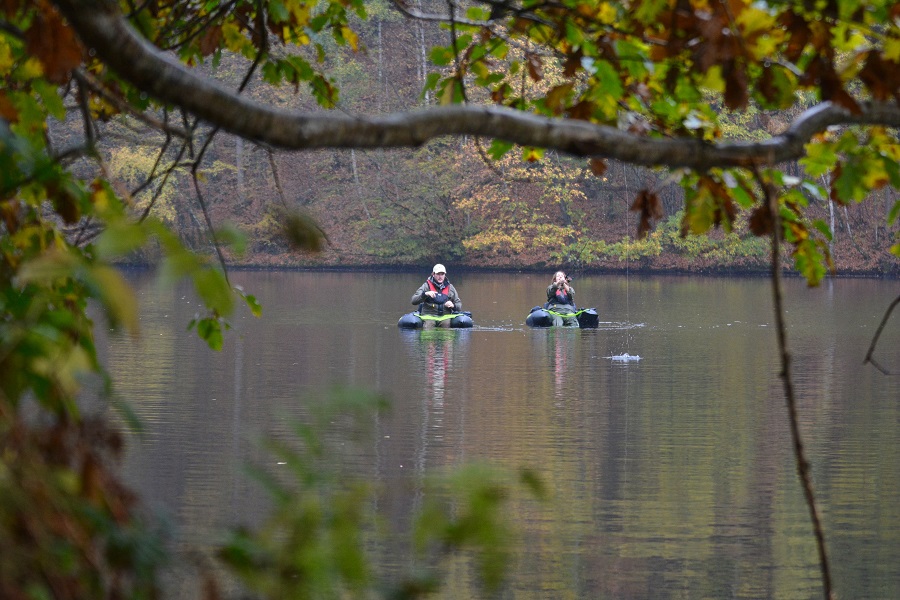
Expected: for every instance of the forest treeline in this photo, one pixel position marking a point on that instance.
(450, 200)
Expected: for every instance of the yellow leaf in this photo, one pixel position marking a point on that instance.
(116, 295)
(301, 14)
(6, 58)
(351, 37)
(32, 68)
(607, 14)
(892, 49)
(235, 40)
(712, 80)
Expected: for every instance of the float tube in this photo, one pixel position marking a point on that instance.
(543, 317)
(415, 320)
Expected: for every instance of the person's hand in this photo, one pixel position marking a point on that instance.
(431, 294)
(448, 304)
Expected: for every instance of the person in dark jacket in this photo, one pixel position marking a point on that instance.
(437, 296)
(561, 299)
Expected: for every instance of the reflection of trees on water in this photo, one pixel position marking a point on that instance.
(437, 354)
(424, 432)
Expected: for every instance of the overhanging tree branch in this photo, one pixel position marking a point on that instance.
(101, 26)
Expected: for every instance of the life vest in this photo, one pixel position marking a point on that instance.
(435, 288)
(563, 298)
(438, 290)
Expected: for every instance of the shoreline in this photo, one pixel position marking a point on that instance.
(723, 272)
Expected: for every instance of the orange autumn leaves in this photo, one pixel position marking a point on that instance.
(52, 42)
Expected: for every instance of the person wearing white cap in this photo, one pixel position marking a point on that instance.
(437, 296)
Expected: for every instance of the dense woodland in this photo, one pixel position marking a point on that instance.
(450, 200)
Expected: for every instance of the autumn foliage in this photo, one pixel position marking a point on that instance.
(654, 133)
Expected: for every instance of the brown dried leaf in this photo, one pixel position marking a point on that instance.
(761, 222)
(7, 110)
(65, 204)
(535, 67)
(833, 192)
(766, 85)
(11, 215)
(726, 213)
(799, 34)
(54, 44)
(842, 98)
(881, 76)
(648, 204)
(583, 111)
(572, 64)
(9, 7)
(556, 98)
(598, 166)
(737, 96)
(210, 41)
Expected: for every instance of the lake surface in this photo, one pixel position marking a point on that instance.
(669, 477)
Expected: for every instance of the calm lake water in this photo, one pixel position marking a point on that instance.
(669, 477)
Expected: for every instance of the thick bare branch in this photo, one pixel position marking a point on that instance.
(103, 28)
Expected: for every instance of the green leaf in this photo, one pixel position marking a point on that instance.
(118, 239)
(851, 184)
(823, 228)
(210, 331)
(477, 13)
(214, 290)
(233, 237)
(252, 303)
(637, 60)
(894, 214)
(431, 82)
(499, 148)
(441, 56)
(462, 42)
(820, 159)
(500, 49)
(52, 100)
(451, 92)
(810, 262)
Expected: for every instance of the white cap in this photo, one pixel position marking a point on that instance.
(439, 268)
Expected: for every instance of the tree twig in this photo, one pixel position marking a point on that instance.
(87, 80)
(884, 320)
(803, 469)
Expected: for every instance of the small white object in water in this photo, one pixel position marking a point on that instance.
(624, 357)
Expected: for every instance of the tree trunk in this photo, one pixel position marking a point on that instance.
(357, 184)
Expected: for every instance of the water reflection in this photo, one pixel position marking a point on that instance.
(434, 355)
(671, 477)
